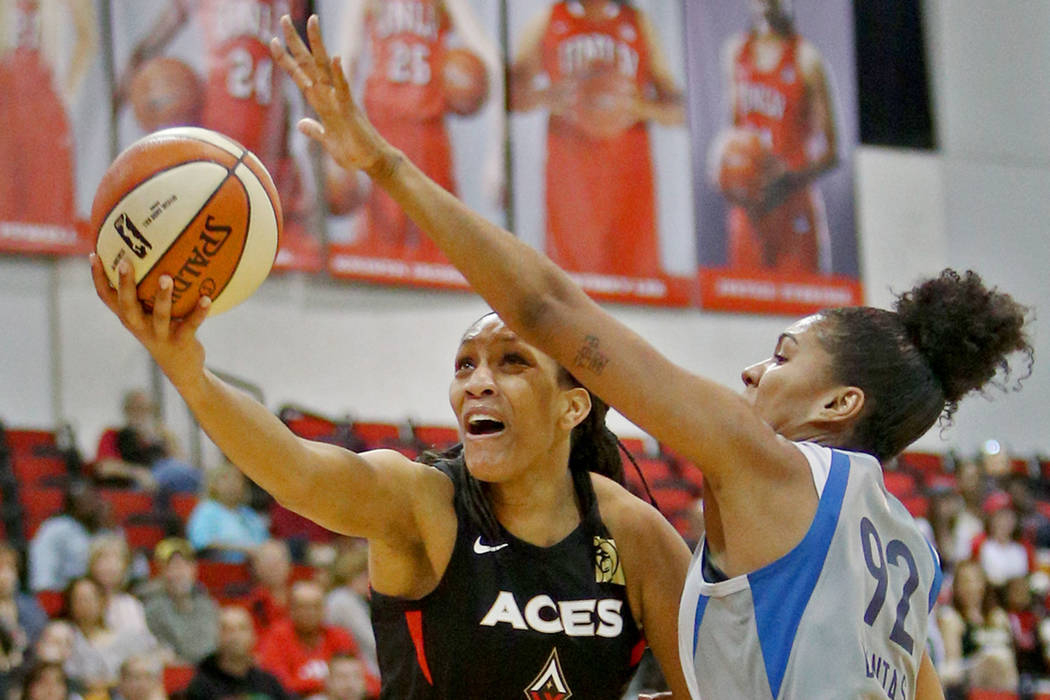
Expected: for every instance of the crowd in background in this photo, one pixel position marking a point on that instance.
(83, 613)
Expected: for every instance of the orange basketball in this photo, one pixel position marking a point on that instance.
(744, 165)
(165, 92)
(190, 203)
(604, 101)
(465, 80)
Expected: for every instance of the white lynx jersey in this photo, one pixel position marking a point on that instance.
(842, 615)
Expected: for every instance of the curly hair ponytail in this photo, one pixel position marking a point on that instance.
(946, 337)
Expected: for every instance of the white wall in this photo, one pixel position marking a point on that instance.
(380, 353)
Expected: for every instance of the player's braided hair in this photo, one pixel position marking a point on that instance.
(594, 448)
(946, 337)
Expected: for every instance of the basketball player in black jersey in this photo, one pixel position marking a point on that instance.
(512, 566)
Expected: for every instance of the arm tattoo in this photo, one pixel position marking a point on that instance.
(590, 357)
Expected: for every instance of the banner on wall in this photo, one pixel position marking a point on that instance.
(773, 110)
(601, 151)
(53, 136)
(207, 63)
(429, 73)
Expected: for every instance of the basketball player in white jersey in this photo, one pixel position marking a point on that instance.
(812, 580)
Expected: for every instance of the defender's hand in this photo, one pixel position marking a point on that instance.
(343, 130)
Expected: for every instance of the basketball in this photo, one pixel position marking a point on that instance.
(165, 92)
(744, 165)
(465, 80)
(603, 103)
(195, 205)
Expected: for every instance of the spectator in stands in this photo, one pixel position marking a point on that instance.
(346, 604)
(46, 681)
(272, 568)
(346, 679)
(98, 651)
(1024, 616)
(1035, 525)
(21, 617)
(1002, 554)
(297, 650)
(946, 505)
(222, 523)
(140, 679)
(144, 452)
(973, 488)
(59, 550)
(109, 560)
(231, 671)
(978, 646)
(181, 615)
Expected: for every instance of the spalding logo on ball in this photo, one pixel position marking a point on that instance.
(190, 203)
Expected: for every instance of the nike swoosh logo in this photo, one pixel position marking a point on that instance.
(480, 548)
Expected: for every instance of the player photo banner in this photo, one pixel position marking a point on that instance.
(599, 144)
(207, 63)
(429, 73)
(773, 111)
(53, 136)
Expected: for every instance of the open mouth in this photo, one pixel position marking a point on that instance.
(484, 425)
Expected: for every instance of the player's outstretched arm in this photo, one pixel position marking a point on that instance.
(366, 496)
(704, 421)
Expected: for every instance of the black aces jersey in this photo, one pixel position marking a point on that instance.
(510, 620)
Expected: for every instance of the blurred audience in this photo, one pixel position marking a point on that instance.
(98, 651)
(58, 552)
(223, 523)
(21, 617)
(347, 604)
(143, 452)
(978, 645)
(109, 561)
(46, 681)
(346, 679)
(180, 613)
(231, 671)
(140, 679)
(297, 650)
(272, 569)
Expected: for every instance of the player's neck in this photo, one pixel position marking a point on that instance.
(540, 509)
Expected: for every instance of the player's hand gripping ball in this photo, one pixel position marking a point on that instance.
(195, 205)
(745, 166)
(465, 81)
(604, 103)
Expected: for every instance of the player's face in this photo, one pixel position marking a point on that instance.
(787, 388)
(507, 399)
(766, 11)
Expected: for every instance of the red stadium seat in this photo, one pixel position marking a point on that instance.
(925, 463)
(436, 436)
(51, 602)
(377, 434)
(143, 536)
(306, 424)
(635, 445)
(217, 576)
(982, 694)
(38, 504)
(124, 503)
(917, 504)
(183, 504)
(177, 677)
(28, 440)
(39, 470)
(900, 484)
